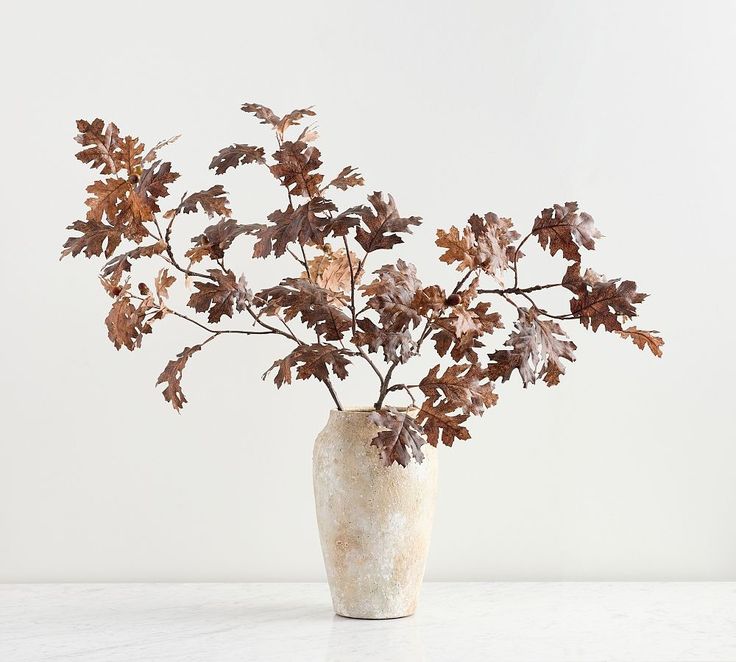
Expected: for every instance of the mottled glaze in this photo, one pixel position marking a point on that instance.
(375, 522)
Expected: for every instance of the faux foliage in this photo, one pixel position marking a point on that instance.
(345, 301)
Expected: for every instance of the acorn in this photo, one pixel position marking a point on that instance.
(453, 300)
(143, 289)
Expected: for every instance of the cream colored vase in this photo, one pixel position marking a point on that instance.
(375, 522)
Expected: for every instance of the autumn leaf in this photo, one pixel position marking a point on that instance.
(100, 144)
(96, 238)
(441, 423)
(217, 238)
(295, 166)
(305, 224)
(400, 438)
(236, 155)
(106, 194)
(599, 301)
(347, 178)
(537, 348)
(644, 339)
(392, 294)
(381, 225)
(280, 124)
(300, 297)
(316, 360)
(464, 386)
(126, 322)
(212, 202)
(130, 155)
(331, 271)
(397, 346)
(162, 284)
(172, 374)
(218, 297)
(561, 228)
(429, 299)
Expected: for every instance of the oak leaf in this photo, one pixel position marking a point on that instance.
(212, 202)
(441, 423)
(346, 178)
(393, 293)
(96, 238)
(316, 360)
(300, 297)
(217, 238)
(100, 144)
(462, 386)
(236, 155)
(217, 297)
(644, 339)
(397, 346)
(382, 224)
(537, 348)
(172, 374)
(400, 438)
(562, 228)
(295, 166)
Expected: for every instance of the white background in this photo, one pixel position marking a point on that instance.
(627, 470)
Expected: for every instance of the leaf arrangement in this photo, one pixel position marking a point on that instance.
(341, 305)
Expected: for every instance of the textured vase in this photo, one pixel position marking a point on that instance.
(375, 522)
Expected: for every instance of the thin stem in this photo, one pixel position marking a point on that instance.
(520, 290)
(217, 331)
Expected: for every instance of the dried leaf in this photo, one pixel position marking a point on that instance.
(172, 374)
(101, 143)
(644, 339)
(305, 224)
(347, 178)
(397, 346)
(217, 298)
(316, 360)
(295, 166)
(393, 295)
(236, 155)
(462, 386)
(163, 282)
(299, 297)
(126, 322)
(382, 224)
(400, 439)
(440, 423)
(562, 228)
(212, 202)
(537, 349)
(96, 238)
(217, 238)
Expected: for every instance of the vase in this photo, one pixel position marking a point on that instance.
(375, 521)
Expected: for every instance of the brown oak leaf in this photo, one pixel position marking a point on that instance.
(218, 297)
(400, 438)
(100, 144)
(295, 166)
(280, 124)
(392, 294)
(397, 346)
(300, 297)
(126, 322)
(236, 155)
(599, 301)
(305, 224)
(464, 386)
(537, 348)
(212, 202)
(316, 360)
(382, 223)
(347, 178)
(644, 339)
(562, 228)
(96, 238)
(441, 423)
(116, 266)
(217, 238)
(172, 374)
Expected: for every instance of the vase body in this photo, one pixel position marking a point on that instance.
(375, 522)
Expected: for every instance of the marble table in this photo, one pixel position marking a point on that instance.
(656, 622)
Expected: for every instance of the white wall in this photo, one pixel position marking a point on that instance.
(625, 471)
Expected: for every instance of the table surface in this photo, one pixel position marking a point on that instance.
(656, 622)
